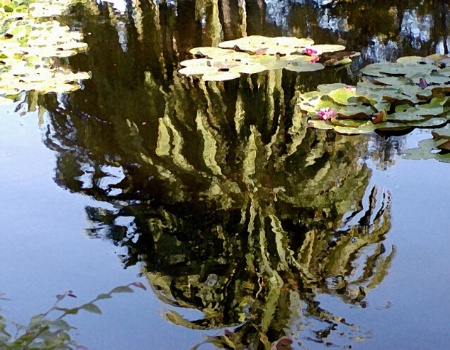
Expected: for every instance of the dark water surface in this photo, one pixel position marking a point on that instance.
(237, 217)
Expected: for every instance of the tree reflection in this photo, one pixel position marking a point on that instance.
(234, 207)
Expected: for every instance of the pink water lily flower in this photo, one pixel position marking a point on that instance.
(310, 52)
(326, 113)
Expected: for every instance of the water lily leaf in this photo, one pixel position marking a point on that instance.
(430, 79)
(411, 60)
(249, 68)
(320, 124)
(197, 70)
(343, 96)
(196, 62)
(334, 62)
(235, 56)
(348, 122)
(439, 59)
(421, 152)
(272, 62)
(355, 112)
(428, 147)
(441, 134)
(432, 122)
(293, 42)
(444, 71)
(440, 91)
(406, 116)
(364, 128)
(209, 51)
(220, 76)
(445, 158)
(400, 99)
(250, 43)
(306, 67)
(396, 81)
(327, 88)
(321, 48)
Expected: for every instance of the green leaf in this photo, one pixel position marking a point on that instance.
(343, 96)
(103, 296)
(91, 308)
(122, 289)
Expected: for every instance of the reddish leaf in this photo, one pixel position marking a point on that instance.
(284, 343)
(139, 285)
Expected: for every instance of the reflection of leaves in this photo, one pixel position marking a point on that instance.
(235, 207)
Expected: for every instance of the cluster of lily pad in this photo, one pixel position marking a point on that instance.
(438, 147)
(33, 47)
(412, 92)
(255, 53)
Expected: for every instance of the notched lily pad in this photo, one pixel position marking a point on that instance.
(438, 147)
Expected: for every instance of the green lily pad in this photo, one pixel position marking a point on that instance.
(320, 124)
(437, 147)
(197, 70)
(306, 67)
(249, 68)
(343, 96)
(220, 76)
(321, 48)
(364, 128)
(348, 122)
(208, 51)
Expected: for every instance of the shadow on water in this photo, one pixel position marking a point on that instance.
(234, 207)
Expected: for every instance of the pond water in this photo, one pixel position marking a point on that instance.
(244, 226)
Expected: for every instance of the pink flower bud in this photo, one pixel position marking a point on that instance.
(310, 52)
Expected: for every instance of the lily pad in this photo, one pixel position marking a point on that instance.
(220, 76)
(321, 48)
(305, 67)
(343, 96)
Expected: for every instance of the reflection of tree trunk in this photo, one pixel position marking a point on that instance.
(442, 14)
(226, 14)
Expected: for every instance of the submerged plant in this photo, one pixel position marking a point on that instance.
(45, 332)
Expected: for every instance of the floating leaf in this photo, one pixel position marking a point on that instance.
(221, 76)
(211, 52)
(321, 48)
(305, 67)
(343, 96)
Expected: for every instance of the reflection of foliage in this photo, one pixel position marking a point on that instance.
(45, 332)
(236, 208)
